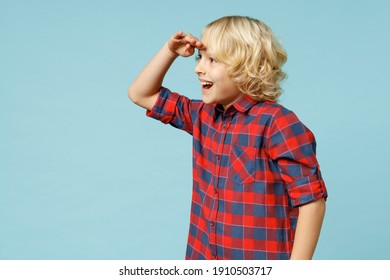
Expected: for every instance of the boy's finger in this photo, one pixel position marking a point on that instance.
(195, 42)
(189, 36)
(178, 35)
(200, 45)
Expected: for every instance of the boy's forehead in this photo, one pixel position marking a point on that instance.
(208, 42)
(203, 52)
(204, 37)
(204, 40)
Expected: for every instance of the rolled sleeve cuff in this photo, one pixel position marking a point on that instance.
(307, 189)
(164, 108)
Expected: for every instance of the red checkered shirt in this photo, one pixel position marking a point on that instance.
(253, 164)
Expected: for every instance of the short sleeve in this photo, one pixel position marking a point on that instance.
(292, 147)
(175, 109)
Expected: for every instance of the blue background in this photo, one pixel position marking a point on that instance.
(84, 174)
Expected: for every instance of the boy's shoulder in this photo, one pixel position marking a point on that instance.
(268, 113)
(272, 109)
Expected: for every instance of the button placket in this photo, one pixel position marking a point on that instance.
(218, 159)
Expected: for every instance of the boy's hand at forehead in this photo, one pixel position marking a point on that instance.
(184, 44)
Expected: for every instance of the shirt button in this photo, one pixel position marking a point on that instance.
(224, 126)
(215, 191)
(218, 157)
(212, 224)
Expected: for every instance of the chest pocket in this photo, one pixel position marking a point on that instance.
(243, 164)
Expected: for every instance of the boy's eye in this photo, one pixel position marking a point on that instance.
(199, 57)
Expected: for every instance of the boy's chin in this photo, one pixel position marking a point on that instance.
(207, 99)
(213, 102)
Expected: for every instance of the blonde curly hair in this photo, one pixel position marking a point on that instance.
(251, 52)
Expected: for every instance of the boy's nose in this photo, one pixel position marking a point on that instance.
(199, 69)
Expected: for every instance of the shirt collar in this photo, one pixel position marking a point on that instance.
(243, 104)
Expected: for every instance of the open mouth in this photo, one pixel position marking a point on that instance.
(206, 84)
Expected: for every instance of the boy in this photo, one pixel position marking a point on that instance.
(257, 187)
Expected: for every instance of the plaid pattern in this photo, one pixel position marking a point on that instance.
(252, 165)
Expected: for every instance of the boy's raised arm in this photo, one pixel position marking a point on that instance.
(145, 88)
